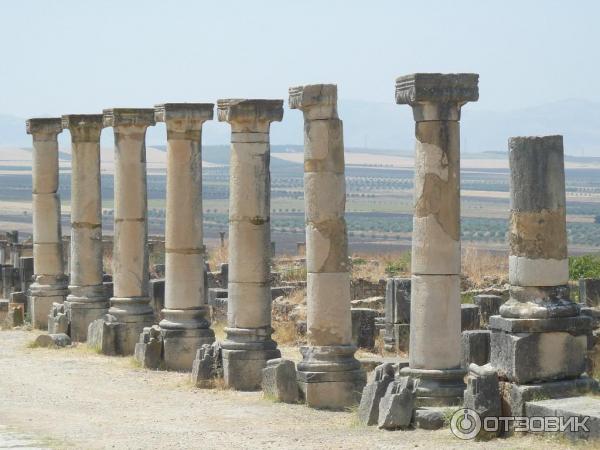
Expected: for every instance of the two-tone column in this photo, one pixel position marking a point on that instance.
(50, 285)
(329, 374)
(539, 335)
(434, 356)
(186, 323)
(131, 302)
(87, 300)
(249, 346)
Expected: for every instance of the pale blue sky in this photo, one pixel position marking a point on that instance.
(81, 56)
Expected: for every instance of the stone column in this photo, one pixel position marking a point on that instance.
(329, 375)
(50, 285)
(186, 323)
(435, 321)
(539, 335)
(3, 252)
(87, 300)
(249, 345)
(130, 303)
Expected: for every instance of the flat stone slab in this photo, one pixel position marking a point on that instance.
(431, 417)
(576, 324)
(576, 407)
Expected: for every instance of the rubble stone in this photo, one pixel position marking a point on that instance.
(279, 381)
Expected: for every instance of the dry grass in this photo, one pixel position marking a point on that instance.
(483, 268)
(285, 333)
(218, 255)
(297, 296)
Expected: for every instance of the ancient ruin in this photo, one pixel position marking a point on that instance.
(50, 284)
(329, 374)
(130, 301)
(87, 300)
(186, 324)
(435, 322)
(248, 345)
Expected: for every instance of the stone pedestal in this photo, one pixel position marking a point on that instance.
(435, 350)
(130, 303)
(50, 285)
(249, 346)
(186, 323)
(397, 315)
(329, 374)
(87, 300)
(539, 335)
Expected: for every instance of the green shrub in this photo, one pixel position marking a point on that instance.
(586, 266)
(399, 265)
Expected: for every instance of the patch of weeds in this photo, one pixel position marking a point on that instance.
(467, 298)
(448, 413)
(354, 419)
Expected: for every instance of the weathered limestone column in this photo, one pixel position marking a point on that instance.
(435, 321)
(50, 285)
(186, 323)
(3, 252)
(539, 334)
(249, 345)
(131, 302)
(329, 374)
(87, 300)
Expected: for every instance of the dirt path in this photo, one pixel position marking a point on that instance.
(74, 398)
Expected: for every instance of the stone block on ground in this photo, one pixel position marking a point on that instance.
(582, 409)
(489, 305)
(207, 365)
(483, 391)
(52, 340)
(279, 381)
(157, 297)
(103, 334)
(515, 396)
(475, 347)
(589, 292)
(3, 310)
(149, 350)
(368, 410)
(58, 322)
(469, 317)
(430, 417)
(397, 405)
(15, 316)
(363, 327)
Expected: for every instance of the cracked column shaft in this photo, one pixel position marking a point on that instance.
(329, 374)
(435, 322)
(249, 345)
(50, 285)
(186, 323)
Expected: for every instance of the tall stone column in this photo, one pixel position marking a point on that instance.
(186, 323)
(329, 374)
(249, 345)
(539, 335)
(87, 300)
(434, 351)
(3, 252)
(50, 285)
(130, 303)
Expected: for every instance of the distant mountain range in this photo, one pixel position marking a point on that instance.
(389, 128)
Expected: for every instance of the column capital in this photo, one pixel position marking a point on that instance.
(184, 120)
(317, 101)
(249, 115)
(44, 129)
(128, 117)
(83, 127)
(437, 96)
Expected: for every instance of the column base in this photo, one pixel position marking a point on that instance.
(437, 387)
(42, 294)
(539, 303)
(80, 313)
(537, 350)
(330, 377)
(184, 332)
(245, 354)
(134, 313)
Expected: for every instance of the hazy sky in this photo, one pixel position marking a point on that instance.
(74, 56)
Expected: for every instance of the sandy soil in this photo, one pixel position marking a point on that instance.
(74, 398)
